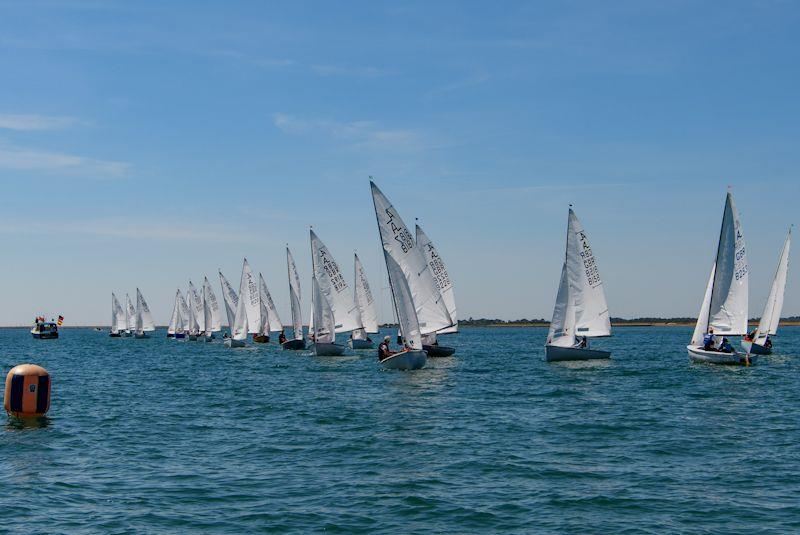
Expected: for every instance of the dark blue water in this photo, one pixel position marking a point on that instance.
(176, 437)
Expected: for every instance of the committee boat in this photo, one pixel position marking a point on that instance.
(45, 330)
(581, 309)
(298, 341)
(724, 309)
(759, 342)
(360, 339)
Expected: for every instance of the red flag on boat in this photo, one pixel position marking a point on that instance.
(60, 320)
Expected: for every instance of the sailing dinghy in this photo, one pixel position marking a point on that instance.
(271, 320)
(408, 278)
(360, 338)
(208, 334)
(760, 343)
(257, 318)
(118, 321)
(213, 308)
(324, 324)
(175, 327)
(437, 268)
(581, 308)
(144, 319)
(724, 309)
(183, 325)
(238, 322)
(130, 317)
(298, 342)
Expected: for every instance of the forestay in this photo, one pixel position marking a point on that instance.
(728, 309)
(333, 286)
(440, 277)
(399, 244)
(324, 322)
(772, 309)
(294, 296)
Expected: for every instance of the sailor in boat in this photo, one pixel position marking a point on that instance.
(709, 341)
(383, 350)
(583, 344)
(282, 338)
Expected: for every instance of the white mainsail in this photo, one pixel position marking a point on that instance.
(440, 276)
(197, 312)
(239, 326)
(591, 309)
(398, 242)
(185, 314)
(727, 313)
(273, 321)
(175, 318)
(294, 296)
(130, 314)
(324, 321)
(118, 322)
(208, 320)
(252, 298)
(404, 303)
(364, 302)
(230, 298)
(144, 319)
(213, 305)
(701, 328)
(333, 285)
(771, 316)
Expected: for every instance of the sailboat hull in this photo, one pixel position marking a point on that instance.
(114, 335)
(405, 360)
(261, 338)
(294, 345)
(698, 354)
(141, 335)
(756, 349)
(562, 354)
(328, 350)
(179, 336)
(230, 342)
(438, 351)
(361, 344)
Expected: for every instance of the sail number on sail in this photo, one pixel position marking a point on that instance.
(334, 273)
(440, 276)
(589, 264)
(401, 234)
(741, 258)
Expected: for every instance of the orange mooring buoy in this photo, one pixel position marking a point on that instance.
(27, 391)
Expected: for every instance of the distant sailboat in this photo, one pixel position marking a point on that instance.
(760, 343)
(407, 279)
(298, 342)
(336, 292)
(256, 314)
(239, 325)
(230, 298)
(272, 322)
(208, 334)
(366, 307)
(184, 323)
(581, 308)
(445, 286)
(724, 309)
(130, 317)
(324, 324)
(144, 319)
(118, 321)
(198, 323)
(175, 321)
(213, 307)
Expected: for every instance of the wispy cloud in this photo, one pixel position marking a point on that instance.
(28, 122)
(23, 159)
(358, 72)
(464, 83)
(357, 134)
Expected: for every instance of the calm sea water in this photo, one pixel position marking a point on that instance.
(175, 437)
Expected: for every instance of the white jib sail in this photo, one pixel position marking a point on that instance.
(239, 326)
(144, 319)
(185, 314)
(273, 321)
(324, 322)
(207, 311)
(252, 299)
(404, 304)
(175, 318)
(130, 314)
(193, 324)
(118, 322)
(197, 313)
(333, 285)
(399, 244)
(294, 296)
(701, 328)
(440, 277)
(728, 310)
(230, 298)
(586, 287)
(364, 301)
(562, 324)
(774, 306)
(213, 305)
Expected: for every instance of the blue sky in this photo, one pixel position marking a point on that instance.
(146, 143)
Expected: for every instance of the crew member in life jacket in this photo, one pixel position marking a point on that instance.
(383, 350)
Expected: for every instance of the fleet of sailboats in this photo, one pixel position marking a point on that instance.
(423, 301)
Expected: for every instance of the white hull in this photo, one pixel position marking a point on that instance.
(141, 335)
(560, 354)
(328, 350)
(755, 349)
(230, 342)
(361, 344)
(406, 360)
(698, 354)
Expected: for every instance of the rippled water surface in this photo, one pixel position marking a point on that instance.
(168, 436)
